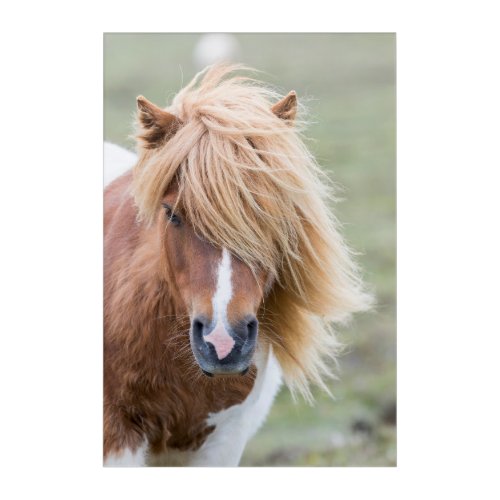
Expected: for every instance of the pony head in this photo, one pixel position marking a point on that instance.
(218, 290)
(249, 246)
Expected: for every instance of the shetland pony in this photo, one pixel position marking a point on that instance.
(223, 273)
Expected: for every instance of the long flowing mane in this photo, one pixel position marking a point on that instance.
(248, 183)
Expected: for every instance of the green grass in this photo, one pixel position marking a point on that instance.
(348, 84)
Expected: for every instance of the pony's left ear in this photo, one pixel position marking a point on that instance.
(286, 109)
(157, 125)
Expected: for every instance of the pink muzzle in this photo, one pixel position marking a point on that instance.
(221, 340)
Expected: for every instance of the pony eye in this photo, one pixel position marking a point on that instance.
(173, 218)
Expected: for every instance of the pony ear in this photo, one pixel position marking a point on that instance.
(157, 125)
(286, 109)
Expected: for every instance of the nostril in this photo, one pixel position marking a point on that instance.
(197, 327)
(252, 327)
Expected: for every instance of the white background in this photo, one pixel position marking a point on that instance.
(448, 250)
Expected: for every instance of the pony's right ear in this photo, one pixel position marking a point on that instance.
(157, 125)
(286, 109)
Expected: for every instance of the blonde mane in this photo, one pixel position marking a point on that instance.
(247, 182)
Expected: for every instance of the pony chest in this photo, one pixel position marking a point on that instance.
(233, 426)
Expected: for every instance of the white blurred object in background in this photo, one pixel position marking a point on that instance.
(216, 47)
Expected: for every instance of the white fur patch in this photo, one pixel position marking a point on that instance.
(219, 337)
(128, 458)
(117, 161)
(224, 290)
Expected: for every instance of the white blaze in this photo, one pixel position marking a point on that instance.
(224, 290)
(219, 337)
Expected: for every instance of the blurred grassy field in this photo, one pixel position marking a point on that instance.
(348, 81)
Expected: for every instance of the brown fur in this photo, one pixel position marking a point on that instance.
(152, 389)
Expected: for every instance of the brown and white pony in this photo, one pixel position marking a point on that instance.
(223, 273)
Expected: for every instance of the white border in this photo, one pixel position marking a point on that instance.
(448, 248)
